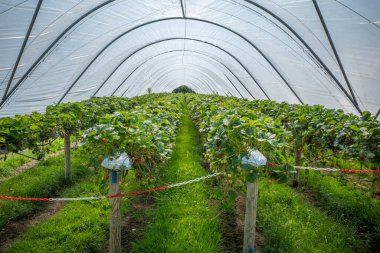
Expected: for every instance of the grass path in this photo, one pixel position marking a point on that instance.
(291, 224)
(344, 203)
(182, 221)
(80, 226)
(46, 179)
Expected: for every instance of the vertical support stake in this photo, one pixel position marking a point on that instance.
(250, 217)
(115, 215)
(67, 146)
(297, 162)
(297, 177)
(375, 179)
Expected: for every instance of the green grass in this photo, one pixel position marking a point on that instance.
(14, 161)
(43, 180)
(182, 220)
(80, 226)
(290, 224)
(347, 204)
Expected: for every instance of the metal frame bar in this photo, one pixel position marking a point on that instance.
(30, 28)
(51, 46)
(324, 66)
(357, 13)
(192, 51)
(241, 95)
(183, 9)
(325, 28)
(191, 39)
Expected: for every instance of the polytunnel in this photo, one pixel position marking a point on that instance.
(305, 51)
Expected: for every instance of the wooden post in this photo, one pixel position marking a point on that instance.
(297, 162)
(250, 217)
(115, 216)
(374, 184)
(68, 175)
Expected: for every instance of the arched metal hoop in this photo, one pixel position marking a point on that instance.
(351, 99)
(210, 84)
(178, 18)
(198, 69)
(182, 18)
(166, 84)
(191, 51)
(190, 39)
(203, 81)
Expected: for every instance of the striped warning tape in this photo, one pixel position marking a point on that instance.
(2, 197)
(337, 170)
(113, 196)
(273, 165)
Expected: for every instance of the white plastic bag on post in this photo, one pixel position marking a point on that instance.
(122, 162)
(255, 157)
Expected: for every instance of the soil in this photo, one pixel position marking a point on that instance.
(233, 229)
(309, 195)
(134, 222)
(14, 229)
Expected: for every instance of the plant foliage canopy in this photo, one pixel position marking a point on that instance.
(183, 89)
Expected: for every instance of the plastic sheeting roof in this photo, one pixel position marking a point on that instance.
(299, 51)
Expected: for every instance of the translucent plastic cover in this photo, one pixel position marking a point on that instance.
(305, 51)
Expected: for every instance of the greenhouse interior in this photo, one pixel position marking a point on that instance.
(190, 126)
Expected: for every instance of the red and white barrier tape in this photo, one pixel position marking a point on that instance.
(272, 165)
(176, 185)
(337, 170)
(116, 195)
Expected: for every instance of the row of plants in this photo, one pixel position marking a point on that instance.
(315, 131)
(37, 130)
(37, 133)
(301, 134)
(318, 132)
(146, 133)
(231, 128)
(230, 131)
